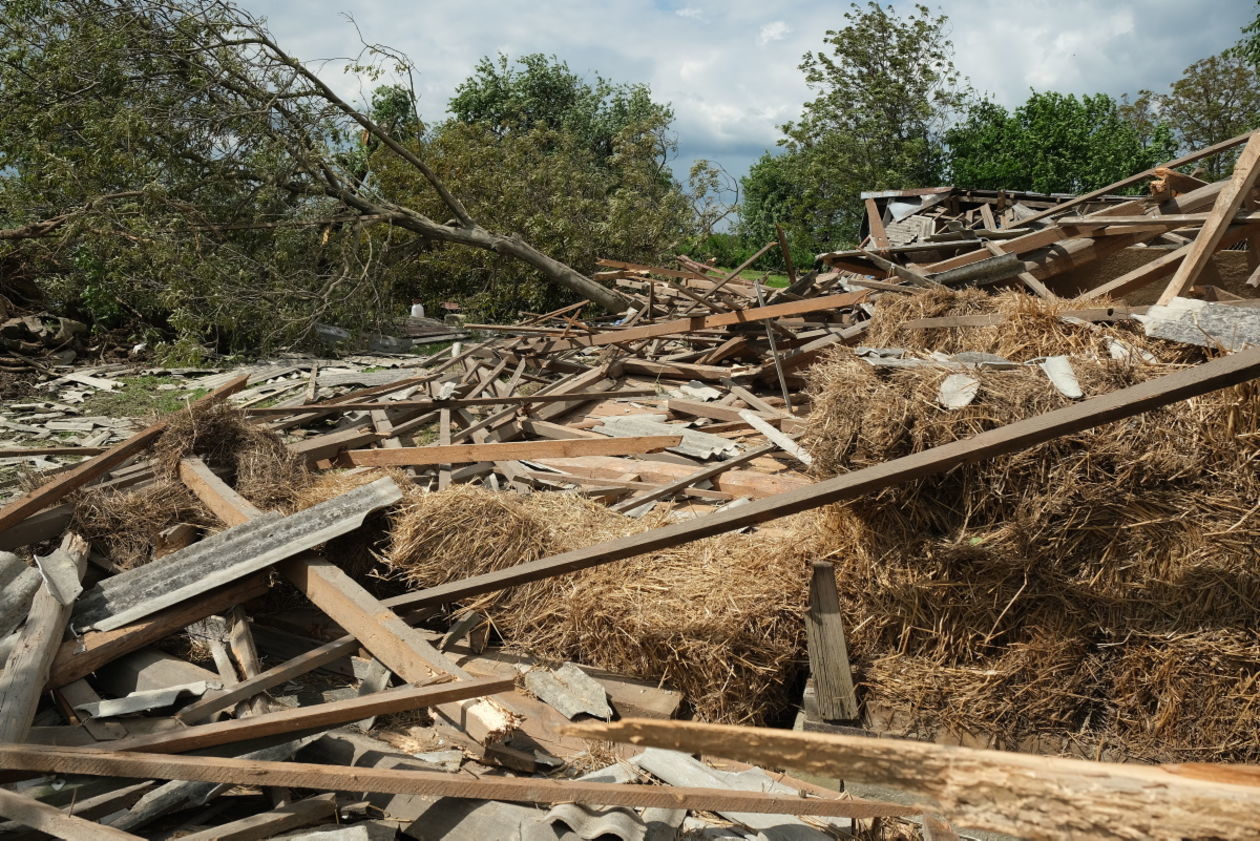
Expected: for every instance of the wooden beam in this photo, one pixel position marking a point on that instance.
(26, 671)
(828, 652)
(1135, 178)
(322, 655)
(1025, 795)
(312, 717)
(224, 502)
(97, 466)
(510, 450)
(1190, 382)
(30, 812)
(1228, 202)
(671, 488)
(1161, 266)
(401, 648)
(80, 657)
(255, 772)
(455, 402)
(875, 220)
(708, 322)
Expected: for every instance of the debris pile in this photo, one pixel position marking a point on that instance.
(897, 490)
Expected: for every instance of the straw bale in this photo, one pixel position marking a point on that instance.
(718, 619)
(1011, 594)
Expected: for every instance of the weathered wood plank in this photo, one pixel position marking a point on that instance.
(1190, 382)
(986, 789)
(511, 450)
(305, 812)
(25, 672)
(50, 819)
(431, 784)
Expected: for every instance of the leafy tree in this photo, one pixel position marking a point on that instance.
(540, 92)
(205, 178)
(1215, 99)
(884, 95)
(1053, 143)
(1249, 47)
(577, 168)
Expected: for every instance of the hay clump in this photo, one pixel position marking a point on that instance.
(718, 619)
(1008, 596)
(123, 524)
(259, 465)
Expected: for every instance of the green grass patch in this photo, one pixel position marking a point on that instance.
(140, 396)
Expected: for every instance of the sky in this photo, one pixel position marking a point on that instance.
(731, 69)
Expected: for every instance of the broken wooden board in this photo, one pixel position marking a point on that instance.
(215, 769)
(993, 790)
(1189, 382)
(511, 450)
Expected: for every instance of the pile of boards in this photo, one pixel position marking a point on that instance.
(261, 615)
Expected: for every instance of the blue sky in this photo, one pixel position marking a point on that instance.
(730, 69)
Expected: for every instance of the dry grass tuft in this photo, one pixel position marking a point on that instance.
(123, 524)
(1102, 587)
(259, 465)
(718, 619)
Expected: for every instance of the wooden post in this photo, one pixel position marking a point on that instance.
(25, 672)
(1228, 202)
(828, 654)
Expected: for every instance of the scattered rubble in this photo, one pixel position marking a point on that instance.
(931, 489)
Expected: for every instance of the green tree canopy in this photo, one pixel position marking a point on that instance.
(1053, 143)
(1215, 99)
(885, 90)
(540, 92)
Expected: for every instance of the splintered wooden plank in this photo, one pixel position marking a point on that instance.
(22, 681)
(1228, 203)
(225, 556)
(97, 466)
(312, 717)
(988, 789)
(511, 450)
(1189, 382)
(30, 812)
(254, 772)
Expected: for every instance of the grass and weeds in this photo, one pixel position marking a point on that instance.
(141, 396)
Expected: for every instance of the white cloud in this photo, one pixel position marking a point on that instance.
(773, 31)
(728, 107)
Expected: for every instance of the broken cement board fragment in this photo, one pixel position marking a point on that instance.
(570, 690)
(227, 556)
(1205, 323)
(680, 769)
(60, 575)
(1061, 375)
(957, 391)
(151, 699)
(701, 445)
